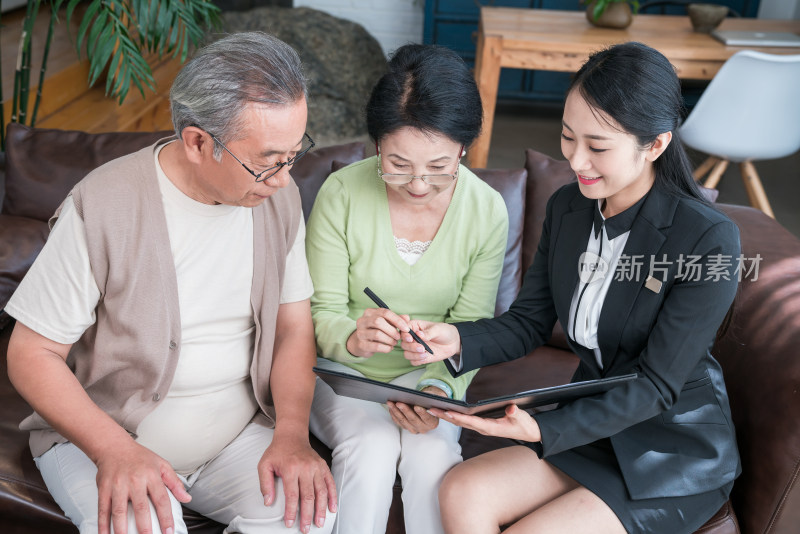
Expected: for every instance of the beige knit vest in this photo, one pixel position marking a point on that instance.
(126, 360)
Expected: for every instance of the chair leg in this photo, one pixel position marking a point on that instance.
(704, 167)
(755, 190)
(716, 174)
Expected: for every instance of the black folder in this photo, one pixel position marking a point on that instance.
(372, 390)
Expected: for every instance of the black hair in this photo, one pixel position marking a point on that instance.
(637, 87)
(427, 87)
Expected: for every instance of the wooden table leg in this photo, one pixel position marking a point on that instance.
(487, 76)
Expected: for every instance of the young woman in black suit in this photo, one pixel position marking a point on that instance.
(640, 271)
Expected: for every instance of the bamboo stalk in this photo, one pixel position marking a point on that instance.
(18, 67)
(26, 63)
(53, 16)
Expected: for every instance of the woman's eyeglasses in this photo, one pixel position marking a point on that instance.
(430, 179)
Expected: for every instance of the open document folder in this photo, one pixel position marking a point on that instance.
(371, 390)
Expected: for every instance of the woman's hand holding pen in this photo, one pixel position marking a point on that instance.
(377, 330)
(443, 339)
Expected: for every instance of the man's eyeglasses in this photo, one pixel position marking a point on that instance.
(430, 179)
(272, 171)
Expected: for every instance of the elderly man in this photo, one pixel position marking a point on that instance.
(164, 335)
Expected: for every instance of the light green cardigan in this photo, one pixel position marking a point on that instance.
(349, 244)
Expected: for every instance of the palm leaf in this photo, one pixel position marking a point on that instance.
(116, 33)
(88, 17)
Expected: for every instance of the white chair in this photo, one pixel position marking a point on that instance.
(750, 111)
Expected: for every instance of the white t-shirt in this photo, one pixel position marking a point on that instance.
(211, 396)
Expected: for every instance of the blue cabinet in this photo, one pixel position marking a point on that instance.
(454, 23)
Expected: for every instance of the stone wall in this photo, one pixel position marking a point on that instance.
(342, 62)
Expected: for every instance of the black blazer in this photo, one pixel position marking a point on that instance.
(671, 428)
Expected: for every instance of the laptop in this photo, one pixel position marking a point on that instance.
(756, 39)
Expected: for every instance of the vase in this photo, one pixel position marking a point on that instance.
(706, 17)
(616, 15)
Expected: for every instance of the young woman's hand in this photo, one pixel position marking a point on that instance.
(415, 419)
(377, 330)
(443, 339)
(515, 424)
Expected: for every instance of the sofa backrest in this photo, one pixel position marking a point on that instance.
(42, 165)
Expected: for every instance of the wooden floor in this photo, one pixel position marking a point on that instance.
(67, 102)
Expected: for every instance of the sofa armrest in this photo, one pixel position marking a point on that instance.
(761, 362)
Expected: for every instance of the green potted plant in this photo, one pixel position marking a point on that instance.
(116, 36)
(611, 13)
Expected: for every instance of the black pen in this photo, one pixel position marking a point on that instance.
(376, 299)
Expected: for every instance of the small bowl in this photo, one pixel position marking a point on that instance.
(706, 17)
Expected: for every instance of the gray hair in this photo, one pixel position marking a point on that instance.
(212, 90)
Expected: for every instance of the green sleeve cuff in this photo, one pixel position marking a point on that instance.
(437, 384)
(438, 371)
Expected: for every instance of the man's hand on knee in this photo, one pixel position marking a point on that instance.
(307, 481)
(132, 473)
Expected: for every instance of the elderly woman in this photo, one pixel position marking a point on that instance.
(428, 237)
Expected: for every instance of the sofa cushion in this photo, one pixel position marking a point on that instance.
(545, 176)
(723, 522)
(310, 172)
(710, 194)
(511, 184)
(21, 240)
(42, 165)
(338, 165)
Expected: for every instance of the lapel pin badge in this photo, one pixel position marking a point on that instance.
(653, 284)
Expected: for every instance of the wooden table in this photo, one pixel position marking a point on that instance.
(544, 39)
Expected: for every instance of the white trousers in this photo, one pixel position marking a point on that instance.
(369, 449)
(226, 489)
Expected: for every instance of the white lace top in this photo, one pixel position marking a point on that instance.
(410, 251)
